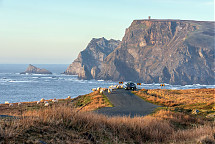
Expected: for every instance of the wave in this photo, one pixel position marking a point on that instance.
(189, 86)
(46, 77)
(39, 74)
(35, 77)
(14, 81)
(6, 73)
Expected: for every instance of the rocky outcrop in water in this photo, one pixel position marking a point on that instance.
(88, 63)
(34, 70)
(157, 51)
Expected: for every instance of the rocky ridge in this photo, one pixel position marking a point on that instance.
(34, 70)
(160, 51)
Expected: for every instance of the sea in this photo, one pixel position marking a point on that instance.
(16, 87)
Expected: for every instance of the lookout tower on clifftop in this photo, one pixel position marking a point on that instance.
(149, 17)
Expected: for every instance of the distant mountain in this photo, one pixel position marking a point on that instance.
(34, 70)
(88, 63)
(160, 51)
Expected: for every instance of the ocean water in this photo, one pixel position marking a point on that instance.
(15, 87)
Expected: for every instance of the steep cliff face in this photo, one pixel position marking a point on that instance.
(34, 70)
(88, 63)
(170, 51)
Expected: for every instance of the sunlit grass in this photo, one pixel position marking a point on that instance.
(201, 99)
(92, 101)
(64, 124)
(72, 122)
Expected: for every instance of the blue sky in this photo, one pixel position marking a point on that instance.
(55, 31)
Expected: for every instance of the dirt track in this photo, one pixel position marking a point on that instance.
(126, 104)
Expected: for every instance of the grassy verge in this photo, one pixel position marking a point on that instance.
(107, 101)
(187, 101)
(92, 101)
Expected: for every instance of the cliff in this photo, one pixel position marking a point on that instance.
(88, 63)
(164, 51)
(34, 70)
(153, 51)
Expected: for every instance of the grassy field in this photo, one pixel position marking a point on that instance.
(16, 110)
(190, 100)
(72, 122)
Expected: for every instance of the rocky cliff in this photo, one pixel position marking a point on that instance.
(88, 63)
(164, 51)
(153, 51)
(34, 70)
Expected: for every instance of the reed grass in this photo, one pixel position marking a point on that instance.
(64, 124)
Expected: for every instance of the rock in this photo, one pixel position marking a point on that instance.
(88, 63)
(163, 51)
(19, 103)
(95, 71)
(153, 51)
(34, 70)
(46, 104)
(11, 105)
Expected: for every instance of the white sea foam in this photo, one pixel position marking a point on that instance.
(188, 86)
(174, 88)
(69, 79)
(46, 77)
(35, 77)
(38, 74)
(15, 81)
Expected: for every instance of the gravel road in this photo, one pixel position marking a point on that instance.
(126, 104)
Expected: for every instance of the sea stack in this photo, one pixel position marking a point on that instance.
(34, 70)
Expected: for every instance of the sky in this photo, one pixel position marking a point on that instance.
(55, 31)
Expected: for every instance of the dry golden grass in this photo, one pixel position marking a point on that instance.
(16, 110)
(64, 124)
(91, 101)
(192, 98)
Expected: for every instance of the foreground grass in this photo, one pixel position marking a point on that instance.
(71, 122)
(63, 124)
